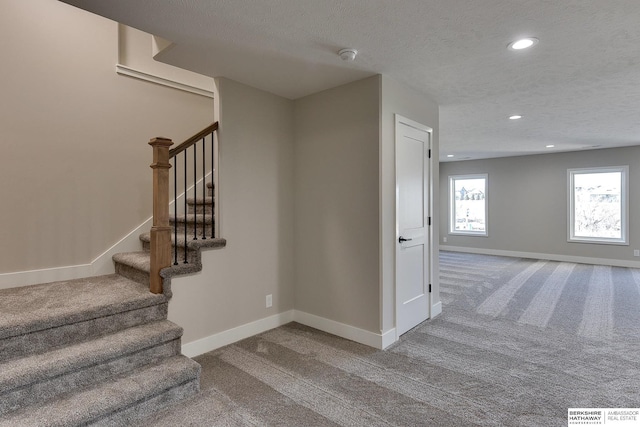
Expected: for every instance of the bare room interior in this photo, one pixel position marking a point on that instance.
(320, 213)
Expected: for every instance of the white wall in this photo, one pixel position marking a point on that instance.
(75, 164)
(336, 204)
(528, 206)
(256, 214)
(399, 99)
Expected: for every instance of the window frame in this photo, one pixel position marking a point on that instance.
(624, 206)
(452, 209)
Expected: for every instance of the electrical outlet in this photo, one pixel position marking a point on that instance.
(444, 239)
(636, 252)
(269, 300)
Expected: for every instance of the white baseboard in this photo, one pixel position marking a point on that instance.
(349, 332)
(230, 336)
(436, 309)
(99, 266)
(32, 277)
(389, 338)
(215, 341)
(550, 257)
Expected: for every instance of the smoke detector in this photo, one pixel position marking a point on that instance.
(348, 54)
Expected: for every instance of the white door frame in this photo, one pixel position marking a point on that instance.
(398, 120)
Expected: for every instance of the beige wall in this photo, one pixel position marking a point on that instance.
(336, 204)
(300, 186)
(528, 203)
(135, 50)
(399, 99)
(75, 163)
(256, 214)
(345, 200)
(302, 183)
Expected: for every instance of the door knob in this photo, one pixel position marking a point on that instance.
(402, 239)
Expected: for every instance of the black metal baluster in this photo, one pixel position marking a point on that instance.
(175, 210)
(195, 194)
(204, 189)
(213, 190)
(185, 206)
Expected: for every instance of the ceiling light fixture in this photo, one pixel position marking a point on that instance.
(523, 43)
(515, 117)
(449, 155)
(550, 146)
(348, 54)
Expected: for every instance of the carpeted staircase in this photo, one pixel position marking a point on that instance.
(99, 350)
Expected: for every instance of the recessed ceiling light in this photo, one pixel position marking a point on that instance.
(523, 43)
(515, 117)
(449, 155)
(550, 146)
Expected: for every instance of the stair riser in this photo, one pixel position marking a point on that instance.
(198, 193)
(192, 255)
(118, 401)
(148, 407)
(132, 273)
(39, 341)
(191, 208)
(82, 376)
(190, 228)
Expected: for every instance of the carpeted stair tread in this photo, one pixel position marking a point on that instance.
(24, 371)
(137, 260)
(191, 244)
(109, 398)
(28, 309)
(100, 350)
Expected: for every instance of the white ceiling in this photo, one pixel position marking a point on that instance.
(578, 88)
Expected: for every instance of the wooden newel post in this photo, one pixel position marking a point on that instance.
(160, 231)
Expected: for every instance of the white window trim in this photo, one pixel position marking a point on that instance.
(624, 214)
(452, 199)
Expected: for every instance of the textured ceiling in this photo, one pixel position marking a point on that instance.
(578, 88)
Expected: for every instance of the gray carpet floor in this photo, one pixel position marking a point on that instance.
(518, 343)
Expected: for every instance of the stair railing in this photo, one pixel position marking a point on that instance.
(160, 246)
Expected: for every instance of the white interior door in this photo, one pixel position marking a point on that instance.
(412, 216)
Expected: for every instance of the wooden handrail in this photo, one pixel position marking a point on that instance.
(160, 245)
(195, 138)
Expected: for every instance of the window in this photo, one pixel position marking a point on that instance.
(598, 208)
(468, 204)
